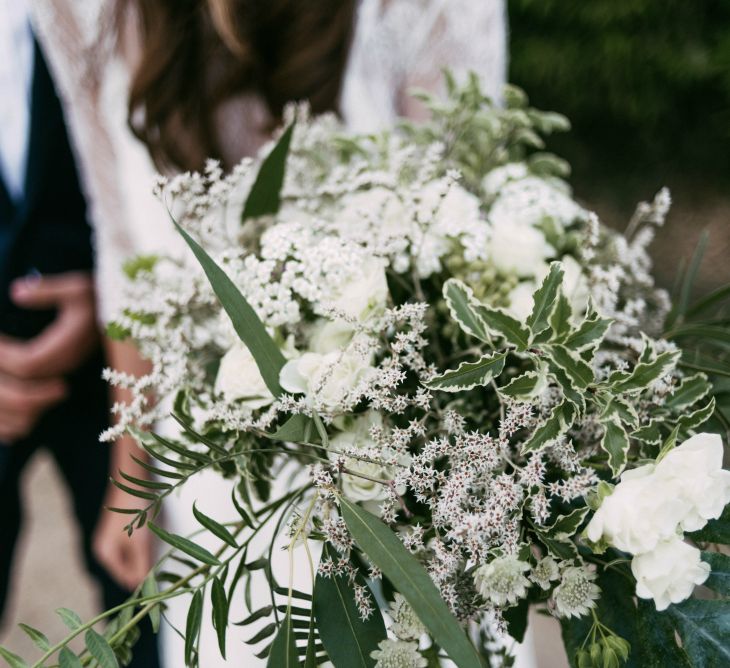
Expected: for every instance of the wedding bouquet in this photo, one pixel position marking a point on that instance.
(481, 390)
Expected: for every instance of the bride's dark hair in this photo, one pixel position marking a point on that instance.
(283, 50)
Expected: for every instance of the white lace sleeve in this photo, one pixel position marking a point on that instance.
(400, 44)
(76, 38)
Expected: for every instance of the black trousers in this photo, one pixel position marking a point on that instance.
(70, 432)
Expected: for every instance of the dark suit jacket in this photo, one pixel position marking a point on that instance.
(48, 231)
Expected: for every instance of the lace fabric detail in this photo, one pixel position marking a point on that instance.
(398, 44)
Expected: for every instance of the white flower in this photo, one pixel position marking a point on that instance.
(327, 380)
(517, 249)
(669, 573)
(406, 624)
(544, 572)
(502, 581)
(330, 335)
(695, 471)
(357, 437)
(577, 592)
(575, 284)
(239, 378)
(495, 180)
(365, 293)
(378, 203)
(641, 512)
(521, 301)
(398, 654)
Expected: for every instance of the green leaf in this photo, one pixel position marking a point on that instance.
(688, 392)
(504, 325)
(566, 525)
(220, 604)
(644, 373)
(559, 548)
(192, 624)
(560, 317)
(100, 649)
(70, 618)
(574, 396)
(560, 420)
(38, 638)
(719, 579)
(615, 443)
(579, 373)
(387, 552)
(284, 650)
(704, 627)
(469, 374)
(525, 386)
(67, 659)
(698, 417)
(649, 433)
(668, 444)
(247, 324)
(463, 309)
(265, 195)
(13, 660)
(149, 588)
(217, 529)
(544, 300)
(347, 639)
(589, 334)
(297, 429)
(184, 545)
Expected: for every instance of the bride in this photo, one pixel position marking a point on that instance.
(161, 85)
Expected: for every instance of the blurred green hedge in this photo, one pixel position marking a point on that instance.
(646, 83)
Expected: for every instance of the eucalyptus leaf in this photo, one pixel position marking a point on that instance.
(149, 588)
(192, 625)
(347, 638)
(67, 659)
(38, 638)
(388, 553)
(184, 545)
(100, 649)
(283, 652)
(247, 324)
(265, 195)
(217, 529)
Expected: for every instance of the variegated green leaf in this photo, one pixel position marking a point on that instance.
(688, 392)
(504, 325)
(469, 374)
(544, 300)
(525, 386)
(698, 417)
(461, 302)
(644, 373)
(579, 373)
(589, 334)
(615, 443)
(560, 420)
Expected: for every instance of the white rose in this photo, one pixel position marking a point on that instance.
(695, 470)
(365, 293)
(239, 378)
(669, 572)
(330, 335)
(327, 380)
(357, 437)
(641, 512)
(379, 204)
(517, 249)
(575, 285)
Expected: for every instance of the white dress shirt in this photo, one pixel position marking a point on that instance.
(16, 78)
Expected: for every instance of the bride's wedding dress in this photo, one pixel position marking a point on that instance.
(397, 44)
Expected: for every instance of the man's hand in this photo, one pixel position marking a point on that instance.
(31, 372)
(128, 559)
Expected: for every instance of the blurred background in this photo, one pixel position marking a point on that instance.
(646, 84)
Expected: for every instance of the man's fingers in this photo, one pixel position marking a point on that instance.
(49, 291)
(27, 396)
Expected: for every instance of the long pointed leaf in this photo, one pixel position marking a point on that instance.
(388, 553)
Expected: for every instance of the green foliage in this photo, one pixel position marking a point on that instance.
(387, 552)
(641, 80)
(347, 638)
(469, 374)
